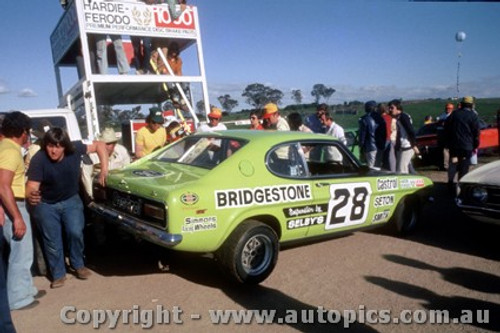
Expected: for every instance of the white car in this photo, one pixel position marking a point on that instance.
(479, 193)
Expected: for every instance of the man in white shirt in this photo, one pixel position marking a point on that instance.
(334, 129)
(214, 123)
(118, 158)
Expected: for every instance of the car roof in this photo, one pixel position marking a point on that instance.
(253, 135)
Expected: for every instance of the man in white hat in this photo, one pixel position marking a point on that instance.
(118, 158)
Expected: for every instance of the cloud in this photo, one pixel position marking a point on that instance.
(27, 92)
(3, 88)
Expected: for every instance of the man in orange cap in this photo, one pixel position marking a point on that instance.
(272, 118)
(214, 123)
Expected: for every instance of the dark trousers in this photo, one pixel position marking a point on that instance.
(6, 325)
(459, 161)
(142, 52)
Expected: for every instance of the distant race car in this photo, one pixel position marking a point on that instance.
(430, 141)
(479, 193)
(241, 193)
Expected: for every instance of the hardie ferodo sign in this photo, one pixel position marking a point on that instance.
(135, 18)
(120, 18)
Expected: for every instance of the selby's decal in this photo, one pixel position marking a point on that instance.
(193, 224)
(387, 184)
(411, 183)
(305, 210)
(266, 195)
(189, 198)
(305, 222)
(384, 200)
(381, 216)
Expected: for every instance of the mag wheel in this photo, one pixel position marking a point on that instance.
(251, 252)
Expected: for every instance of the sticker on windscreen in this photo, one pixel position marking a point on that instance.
(147, 173)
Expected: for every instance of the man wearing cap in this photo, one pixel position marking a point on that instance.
(152, 136)
(461, 137)
(214, 123)
(372, 135)
(118, 158)
(273, 119)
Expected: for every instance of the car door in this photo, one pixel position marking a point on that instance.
(287, 162)
(341, 192)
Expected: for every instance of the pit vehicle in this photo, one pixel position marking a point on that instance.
(240, 194)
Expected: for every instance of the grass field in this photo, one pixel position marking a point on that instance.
(486, 107)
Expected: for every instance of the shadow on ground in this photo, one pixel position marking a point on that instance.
(444, 226)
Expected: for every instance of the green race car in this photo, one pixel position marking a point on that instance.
(240, 194)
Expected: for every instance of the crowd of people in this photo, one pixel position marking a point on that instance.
(386, 137)
(44, 196)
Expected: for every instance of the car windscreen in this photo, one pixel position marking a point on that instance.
(201, 151)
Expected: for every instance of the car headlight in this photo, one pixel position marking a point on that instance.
(480, 194)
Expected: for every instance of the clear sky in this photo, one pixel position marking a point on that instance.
(373, 49)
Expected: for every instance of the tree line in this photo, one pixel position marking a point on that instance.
(257, 95)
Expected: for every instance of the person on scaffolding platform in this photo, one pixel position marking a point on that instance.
(160, 43)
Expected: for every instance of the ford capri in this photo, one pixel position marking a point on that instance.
(241, 194)
(479, 193)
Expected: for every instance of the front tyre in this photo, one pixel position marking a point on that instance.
(250, 253)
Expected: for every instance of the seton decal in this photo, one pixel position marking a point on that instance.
(384, 200)
(266, 195)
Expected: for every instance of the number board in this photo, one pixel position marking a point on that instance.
(348, 205)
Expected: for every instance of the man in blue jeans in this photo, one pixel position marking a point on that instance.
(17, 227)
(6, 324)
(52, 189)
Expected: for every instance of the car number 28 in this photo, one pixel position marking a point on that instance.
(348, 205)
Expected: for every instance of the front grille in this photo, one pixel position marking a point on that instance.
(134, 206)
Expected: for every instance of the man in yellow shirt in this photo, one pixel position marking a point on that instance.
(152, 136)
(16, 227)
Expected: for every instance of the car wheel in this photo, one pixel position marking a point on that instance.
(406, 216)
(250, 253)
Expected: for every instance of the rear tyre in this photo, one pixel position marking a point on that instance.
(250, 254)
(406, 216)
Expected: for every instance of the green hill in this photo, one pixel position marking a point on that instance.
(418, 109)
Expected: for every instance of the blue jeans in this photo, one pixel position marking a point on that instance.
(6, 324)
(20, 287)
(53, 219)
